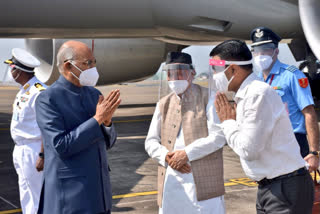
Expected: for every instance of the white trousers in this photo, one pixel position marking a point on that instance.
(180, 197)
(30, 180)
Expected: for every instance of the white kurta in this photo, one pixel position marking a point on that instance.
(179, 193)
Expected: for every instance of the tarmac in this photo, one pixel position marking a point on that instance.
(133, 173)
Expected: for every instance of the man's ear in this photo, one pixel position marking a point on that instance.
(235, 68)
(67, 66)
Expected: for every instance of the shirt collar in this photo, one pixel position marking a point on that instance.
(276, 67)
(243, 87)
(274, 70)
(26, 87)
(69, 85)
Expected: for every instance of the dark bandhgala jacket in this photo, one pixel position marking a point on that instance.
(76, 175)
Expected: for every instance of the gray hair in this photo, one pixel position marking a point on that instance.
(64, 53)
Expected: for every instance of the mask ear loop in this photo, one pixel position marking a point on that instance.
(76, 68)
(274, 51)
(17, 76)
(224, 71)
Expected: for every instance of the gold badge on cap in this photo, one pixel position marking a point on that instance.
(259, 33)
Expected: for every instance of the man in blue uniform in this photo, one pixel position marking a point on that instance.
(293, 87)
(75, 121)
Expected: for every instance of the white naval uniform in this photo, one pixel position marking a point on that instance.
(27, 137)
(179, 192)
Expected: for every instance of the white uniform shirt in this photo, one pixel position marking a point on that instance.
(262, 134)
(178, 186)
(24, 128)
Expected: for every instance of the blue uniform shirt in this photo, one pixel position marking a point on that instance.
(290, 84)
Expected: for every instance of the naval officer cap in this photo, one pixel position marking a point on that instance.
(263, 35)
(23, 60)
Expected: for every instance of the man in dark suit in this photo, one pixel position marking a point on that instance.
(75, 121)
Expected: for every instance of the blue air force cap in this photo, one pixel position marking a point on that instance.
(23, 60)
(263, 35)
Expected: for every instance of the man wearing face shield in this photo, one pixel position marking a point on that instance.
(76, 124)
(293, 88)
(186, 142)
(28, 156)
(258, 129)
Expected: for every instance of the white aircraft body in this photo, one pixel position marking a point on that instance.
(130, 38)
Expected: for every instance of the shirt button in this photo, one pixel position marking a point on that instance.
(169, 141)
(178, 111)
(161, 173)
(174, 126)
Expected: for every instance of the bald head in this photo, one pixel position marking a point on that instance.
(72, 50)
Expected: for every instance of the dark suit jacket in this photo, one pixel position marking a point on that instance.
(76, 175)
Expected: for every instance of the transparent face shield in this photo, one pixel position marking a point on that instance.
(181, 80)
(7, 78)
(175, 78)
(218, 81)
(263, 56)
(262, 51)
(265, 49)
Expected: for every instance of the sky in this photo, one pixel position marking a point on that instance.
(200, 55)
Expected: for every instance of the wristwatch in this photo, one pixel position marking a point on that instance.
(316, 153)
(41, 154)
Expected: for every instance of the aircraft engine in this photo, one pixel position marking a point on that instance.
(118, 60)
(310, 19)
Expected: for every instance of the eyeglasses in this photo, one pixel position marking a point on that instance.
(89, 63)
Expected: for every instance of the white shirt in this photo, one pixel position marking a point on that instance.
(262, 134)
(24, 128)
(178, 186)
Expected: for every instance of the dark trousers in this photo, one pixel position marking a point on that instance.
(108, 212)
(303, 143)
(292, 195)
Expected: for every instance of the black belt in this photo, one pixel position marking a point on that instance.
(266, 181)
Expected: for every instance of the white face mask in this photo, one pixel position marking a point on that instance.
(10, 75)
(262, 62)
(222, 83)
(178, 86)
(87, 77)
